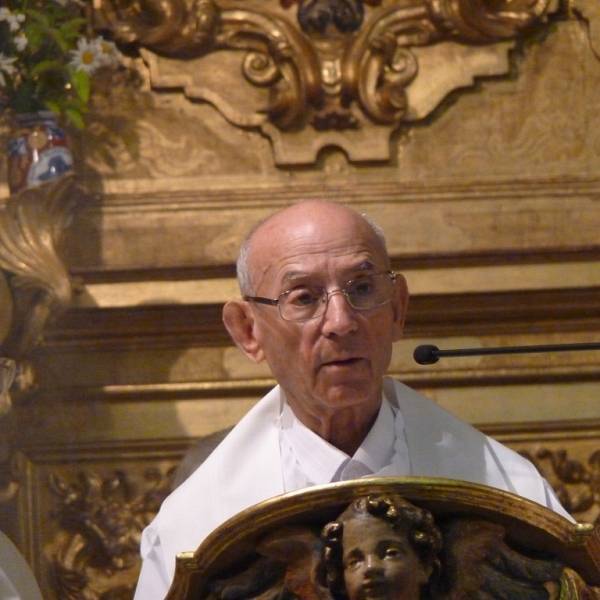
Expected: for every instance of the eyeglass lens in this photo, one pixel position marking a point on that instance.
(367, 291)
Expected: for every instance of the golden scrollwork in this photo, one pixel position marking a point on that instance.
(576, 482)
(101, 518)
(31, 227)
(319, 66)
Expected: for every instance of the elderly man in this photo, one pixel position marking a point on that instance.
(322, 307)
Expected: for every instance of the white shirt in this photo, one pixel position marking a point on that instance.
(308, 459)
(16, 579)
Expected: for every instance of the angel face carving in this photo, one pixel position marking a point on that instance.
(381, 548)
(380, 563)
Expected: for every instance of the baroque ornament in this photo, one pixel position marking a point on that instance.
(576, 482)
(316, 73)
(31, 229)
(441, 539)
(101, 520)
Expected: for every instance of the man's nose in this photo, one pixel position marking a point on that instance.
(339, 317)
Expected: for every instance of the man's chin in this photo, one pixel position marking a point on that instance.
(349, 392)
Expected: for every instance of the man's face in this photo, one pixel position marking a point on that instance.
(337, 360)
(380, 563)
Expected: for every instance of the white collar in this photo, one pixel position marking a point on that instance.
(320, 462)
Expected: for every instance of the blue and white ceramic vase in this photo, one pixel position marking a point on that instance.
(38, 150)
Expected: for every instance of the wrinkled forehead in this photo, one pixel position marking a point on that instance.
(293, 237)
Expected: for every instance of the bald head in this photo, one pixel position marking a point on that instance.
(314, 214)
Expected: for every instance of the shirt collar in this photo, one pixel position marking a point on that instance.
(322, 463)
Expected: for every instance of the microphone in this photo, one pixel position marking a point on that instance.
(428, 354)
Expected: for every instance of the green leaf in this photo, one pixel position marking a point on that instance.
(36, 15)
(45, 66)
(75, 118)
(53, 106)
(81, 84)
(72, 30)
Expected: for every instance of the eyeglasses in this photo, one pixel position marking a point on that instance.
(309, 302)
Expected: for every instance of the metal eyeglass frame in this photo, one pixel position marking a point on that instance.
(277, 301)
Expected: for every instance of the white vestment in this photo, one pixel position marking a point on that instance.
(246, 468)
(16, 579)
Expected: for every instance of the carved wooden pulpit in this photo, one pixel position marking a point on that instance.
(487, 544)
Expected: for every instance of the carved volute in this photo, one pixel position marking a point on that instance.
(34, 282)
(313, 73)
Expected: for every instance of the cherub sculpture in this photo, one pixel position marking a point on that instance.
(383, 547)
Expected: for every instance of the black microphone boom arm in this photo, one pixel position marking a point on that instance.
(428, 354)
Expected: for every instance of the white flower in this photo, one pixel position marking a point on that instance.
(86, 57)
(6, 65)
(14, 20)
(20, 41)
(109, 55)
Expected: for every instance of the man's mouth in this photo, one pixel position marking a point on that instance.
(345, 362)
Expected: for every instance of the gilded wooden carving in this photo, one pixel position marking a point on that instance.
(447, 540)
(8, 485)
(101, 520)
(39, 286)
(576, 482)
(7, 375)
(81, 513)
(312, 73)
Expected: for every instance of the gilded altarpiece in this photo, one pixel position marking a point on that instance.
(487, 188)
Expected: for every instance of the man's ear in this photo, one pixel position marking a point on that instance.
(239, 321)
(400, 305)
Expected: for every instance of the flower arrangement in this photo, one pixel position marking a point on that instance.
(47, 57)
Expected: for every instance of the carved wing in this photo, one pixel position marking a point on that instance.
(478, 563)
(288, 566)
